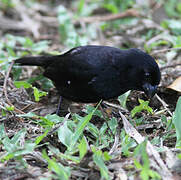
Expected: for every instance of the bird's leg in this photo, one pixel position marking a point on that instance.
(59, 106)
(105, 116)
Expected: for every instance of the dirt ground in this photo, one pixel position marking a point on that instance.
(139, 26)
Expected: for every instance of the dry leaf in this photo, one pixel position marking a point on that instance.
(176, 85)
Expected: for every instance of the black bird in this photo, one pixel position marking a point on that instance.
(90, 73)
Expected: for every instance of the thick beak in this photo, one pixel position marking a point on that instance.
(149, 90)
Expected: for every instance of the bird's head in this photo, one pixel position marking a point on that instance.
(145, 72)
(150, 83)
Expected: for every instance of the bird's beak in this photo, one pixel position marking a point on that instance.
(149, 90)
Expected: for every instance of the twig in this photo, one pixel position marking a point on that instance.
(165, 105)
(131, 131)
(170, 66)
(27, 106)
(54, 22)
(6, 23)
(164, 50)
(59, 125)
(116, 106)
(116, 141)
(9, 82)
(164, 36)
(5, 89)
(22, 49)
(37, 108)
(110, 17)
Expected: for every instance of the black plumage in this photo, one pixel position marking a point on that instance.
(91, 73)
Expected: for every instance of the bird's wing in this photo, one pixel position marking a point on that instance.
(78, 63)
(108, 84)
(70, 67)
(90, 65)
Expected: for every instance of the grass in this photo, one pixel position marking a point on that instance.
(81, 145)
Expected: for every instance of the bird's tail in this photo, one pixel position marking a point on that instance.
(36, 61)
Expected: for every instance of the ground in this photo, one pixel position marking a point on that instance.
(131, 138)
